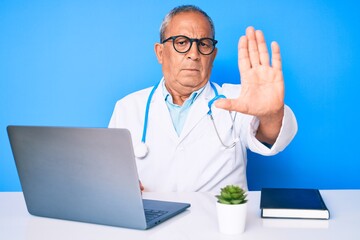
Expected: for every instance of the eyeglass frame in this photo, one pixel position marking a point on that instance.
(197, 40)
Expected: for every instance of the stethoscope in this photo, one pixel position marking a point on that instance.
(142, 149)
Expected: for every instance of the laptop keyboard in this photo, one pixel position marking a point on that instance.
(152, 214)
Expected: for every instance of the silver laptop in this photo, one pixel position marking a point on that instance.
(84, 174)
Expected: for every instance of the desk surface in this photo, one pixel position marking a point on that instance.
(199, 222)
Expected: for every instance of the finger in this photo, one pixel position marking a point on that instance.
(141, 186)
(276, 57)
(243, 55)
(263, 50)
(230, 105)
(253, 48)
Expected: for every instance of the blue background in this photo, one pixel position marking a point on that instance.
(66, 63)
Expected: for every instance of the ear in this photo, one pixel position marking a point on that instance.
(214, 54)
(159, 48)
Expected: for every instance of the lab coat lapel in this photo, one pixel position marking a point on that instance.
(198, 111)
(162, 113)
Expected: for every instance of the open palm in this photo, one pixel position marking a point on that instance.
(262, 91)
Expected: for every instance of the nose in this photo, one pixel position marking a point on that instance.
(193, 52)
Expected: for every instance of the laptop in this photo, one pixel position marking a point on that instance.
(86, 175)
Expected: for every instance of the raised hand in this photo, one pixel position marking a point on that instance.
(262, 91)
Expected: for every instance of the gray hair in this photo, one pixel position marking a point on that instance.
(181, 9)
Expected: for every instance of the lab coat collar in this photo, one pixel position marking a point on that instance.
(197, 111)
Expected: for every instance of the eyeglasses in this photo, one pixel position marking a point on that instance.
(182, 44)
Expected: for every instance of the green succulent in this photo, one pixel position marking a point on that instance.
(232, 194)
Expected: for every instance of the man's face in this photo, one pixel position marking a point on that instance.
(185, 72)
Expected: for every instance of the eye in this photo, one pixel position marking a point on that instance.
(205, 43)
(181, 41)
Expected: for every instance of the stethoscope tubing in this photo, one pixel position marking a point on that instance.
(143, 150)
(146, 118)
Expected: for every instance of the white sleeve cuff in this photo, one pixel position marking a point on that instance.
(287, 133)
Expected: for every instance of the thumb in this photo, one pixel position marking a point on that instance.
(226, 104)
(230, 105)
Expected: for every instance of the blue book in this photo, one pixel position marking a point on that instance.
(293, 203)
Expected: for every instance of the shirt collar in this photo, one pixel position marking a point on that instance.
(168, 98)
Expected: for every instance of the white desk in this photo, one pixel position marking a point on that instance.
(199, 222)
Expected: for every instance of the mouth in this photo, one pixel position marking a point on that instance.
(191, 69)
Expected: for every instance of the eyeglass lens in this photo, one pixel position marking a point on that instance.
(183, 44)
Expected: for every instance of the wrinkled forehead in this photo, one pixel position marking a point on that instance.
(191, 24)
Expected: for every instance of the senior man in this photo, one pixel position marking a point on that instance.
(190, 134)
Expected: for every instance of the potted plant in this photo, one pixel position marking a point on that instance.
(231, 209)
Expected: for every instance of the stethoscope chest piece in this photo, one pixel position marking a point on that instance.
(141, 150)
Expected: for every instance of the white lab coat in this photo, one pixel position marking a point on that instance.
(195, 160)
